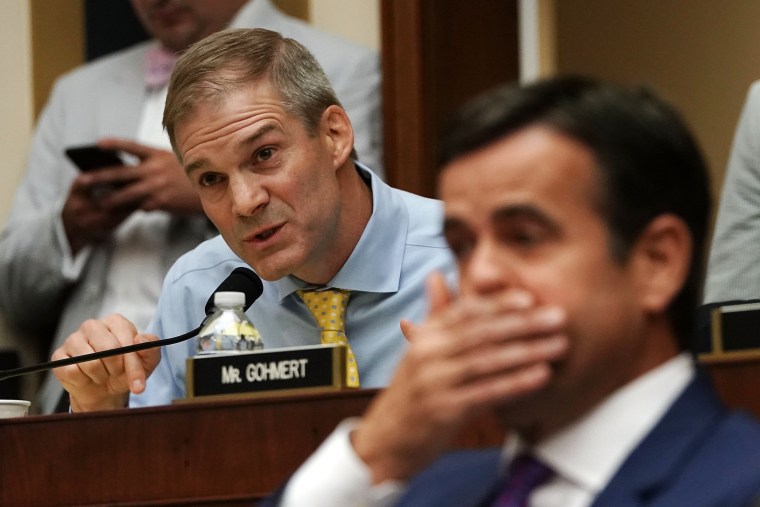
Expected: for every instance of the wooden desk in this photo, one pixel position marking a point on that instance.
(210, 453)
(222, 453)
(737, 383)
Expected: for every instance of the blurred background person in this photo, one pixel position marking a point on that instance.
(733, 273)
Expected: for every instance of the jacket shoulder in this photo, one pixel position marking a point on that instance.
(459, 478)
(92, 73)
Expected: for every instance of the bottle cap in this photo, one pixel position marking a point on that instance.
(229, 299)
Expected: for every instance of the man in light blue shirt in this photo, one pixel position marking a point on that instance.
(88, 256)
(385, 273)
(267, 146)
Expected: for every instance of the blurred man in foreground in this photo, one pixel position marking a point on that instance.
(577, 213)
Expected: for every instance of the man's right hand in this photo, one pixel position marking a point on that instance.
(470, 356)
(86, 219)
(105, 383)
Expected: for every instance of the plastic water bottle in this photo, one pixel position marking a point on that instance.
(228, 329)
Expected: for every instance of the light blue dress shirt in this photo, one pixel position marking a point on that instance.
(401, 245)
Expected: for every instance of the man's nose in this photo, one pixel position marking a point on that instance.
(248, 196)
(488, 269)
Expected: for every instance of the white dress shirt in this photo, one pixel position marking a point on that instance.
(586, 454)
(139, 238)
(135, 241)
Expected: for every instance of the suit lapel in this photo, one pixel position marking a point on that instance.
(661, 454)
(119, 105)
(459, 479)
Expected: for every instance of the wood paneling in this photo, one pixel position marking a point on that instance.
(223, 453)
(436, 55)
(57, 43)
(297, 8)
(736, 382)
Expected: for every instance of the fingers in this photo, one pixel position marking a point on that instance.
(480, 369)
(114, 177)
(408, 329)
(157, 182)
(472, 355)
(473, 340)
(473, 308)
(139, 365)
(81, 186)
(105, 383)
(467, 328)
(490, 376)
(438, 292)
(512, 326)
(134, 148)
(95, 336)
(518, 383)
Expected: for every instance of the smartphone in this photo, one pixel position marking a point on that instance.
(91, 157)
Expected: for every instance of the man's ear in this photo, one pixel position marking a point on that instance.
(661, 259)
(339, 133)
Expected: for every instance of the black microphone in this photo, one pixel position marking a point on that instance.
(240, 280)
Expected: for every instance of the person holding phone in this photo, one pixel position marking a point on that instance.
(79, 252)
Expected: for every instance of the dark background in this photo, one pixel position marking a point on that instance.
(109, 26)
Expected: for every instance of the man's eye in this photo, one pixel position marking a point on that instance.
(524, 237)
(209, 179)
(460, 243)
(460, 249)
(265, 154)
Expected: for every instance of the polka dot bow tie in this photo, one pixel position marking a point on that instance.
(159, 63)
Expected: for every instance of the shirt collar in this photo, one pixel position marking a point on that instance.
(590, 451)
(375, 264)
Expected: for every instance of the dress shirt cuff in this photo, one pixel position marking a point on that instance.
(72, 265)
(334, 475)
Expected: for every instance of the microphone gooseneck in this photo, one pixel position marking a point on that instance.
(240, 280)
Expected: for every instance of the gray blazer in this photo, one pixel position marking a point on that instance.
(733, 270)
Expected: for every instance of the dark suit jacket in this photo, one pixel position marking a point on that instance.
(699, 454)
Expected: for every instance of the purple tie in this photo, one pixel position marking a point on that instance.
(159, 63)
(525, 474)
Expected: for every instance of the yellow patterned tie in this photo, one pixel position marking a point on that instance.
(329, 308)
